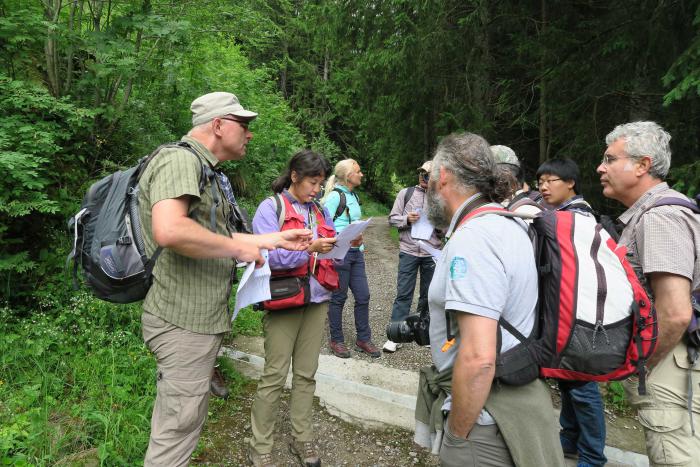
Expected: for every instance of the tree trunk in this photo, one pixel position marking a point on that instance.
(52, 8)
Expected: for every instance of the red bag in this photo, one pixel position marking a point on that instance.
(288, 292)
(324, 269)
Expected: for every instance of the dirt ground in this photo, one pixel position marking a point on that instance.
(339, 443)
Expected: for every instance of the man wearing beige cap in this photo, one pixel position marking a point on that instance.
(184, 210)
(409, 206)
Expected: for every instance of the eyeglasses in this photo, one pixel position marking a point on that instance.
(240, 122)
(609, 159)
(547, 182)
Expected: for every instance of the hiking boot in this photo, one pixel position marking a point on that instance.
(260, 460)
(391, 346)
(339, 349)
(218, 386)
(367, 347)
(306, 453)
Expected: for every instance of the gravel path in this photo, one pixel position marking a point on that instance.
(382, 260)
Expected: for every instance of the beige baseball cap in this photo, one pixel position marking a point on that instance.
(427, 165)
(217, 104)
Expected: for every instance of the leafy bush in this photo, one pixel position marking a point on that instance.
(38, 135)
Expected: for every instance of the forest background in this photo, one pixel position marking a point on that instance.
(89, 86)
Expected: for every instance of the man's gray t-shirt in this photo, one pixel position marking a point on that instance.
(488, 269)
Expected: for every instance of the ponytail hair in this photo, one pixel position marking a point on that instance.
(328, 188)
(305, 163)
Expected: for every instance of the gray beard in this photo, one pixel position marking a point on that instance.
(437, 211)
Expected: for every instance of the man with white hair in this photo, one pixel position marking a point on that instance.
(486, 273)
(663, 242)
(186, 313)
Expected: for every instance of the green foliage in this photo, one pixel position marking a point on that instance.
(74, 380)
(614, 397)
(38, 135)
(372, 207)
(687, 178)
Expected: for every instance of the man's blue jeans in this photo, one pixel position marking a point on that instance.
(582, 422)
(409, 266)
(351, 274)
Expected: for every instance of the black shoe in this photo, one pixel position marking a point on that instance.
(218, 385)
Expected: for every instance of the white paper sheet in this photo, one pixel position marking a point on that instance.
(422, 229)
(254, 286)
(342, 242)
(428, 248)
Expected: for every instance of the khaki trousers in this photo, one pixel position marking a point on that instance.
(291, 336)
(185, 360)
(483, 447)
(664, 413)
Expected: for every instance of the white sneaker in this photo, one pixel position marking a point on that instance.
(390, 346)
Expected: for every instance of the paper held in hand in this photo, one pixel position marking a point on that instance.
(428, 248)
(254, 286)
(422, 229)
(343, 239)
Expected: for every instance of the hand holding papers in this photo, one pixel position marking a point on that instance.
(422, 229)
(254, 286)
(342, 241)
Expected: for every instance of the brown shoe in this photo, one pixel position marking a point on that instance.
(339, 349)
(367, 347)
(306, 453)
(260, 460)
(218, 385)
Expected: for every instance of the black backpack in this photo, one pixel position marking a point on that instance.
(107, 239)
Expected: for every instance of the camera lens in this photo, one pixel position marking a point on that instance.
(399, 331)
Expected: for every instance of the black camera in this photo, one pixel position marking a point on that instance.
(414, 328)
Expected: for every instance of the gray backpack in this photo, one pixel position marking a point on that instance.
(107, 239)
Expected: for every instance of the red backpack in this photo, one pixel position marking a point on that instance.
(290, 288)
(595, 321)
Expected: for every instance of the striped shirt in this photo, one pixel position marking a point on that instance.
(190, 293)
(662, 239)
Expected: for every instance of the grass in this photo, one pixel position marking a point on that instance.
(77, 384)
(371, 207)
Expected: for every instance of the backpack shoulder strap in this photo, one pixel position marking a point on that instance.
(280, 209)
(407, 196)
(514, 205)
(206, 174)
(673, 201)
(342, 204)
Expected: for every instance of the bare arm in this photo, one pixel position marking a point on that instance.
(173, 229)
(673, 309)
(473, 372)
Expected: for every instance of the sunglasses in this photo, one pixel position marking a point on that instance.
(425, 176)
(242, 123)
